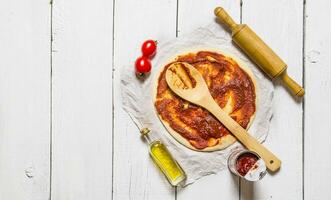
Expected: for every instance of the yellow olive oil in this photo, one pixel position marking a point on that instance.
(166, 163)
(163, 159)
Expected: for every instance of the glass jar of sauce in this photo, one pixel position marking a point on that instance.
(247, 165)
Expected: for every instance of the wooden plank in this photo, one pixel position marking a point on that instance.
(191, 15)
(317, 100)
(25, 99)
(82, 100)
(135, 176)
(280, 24)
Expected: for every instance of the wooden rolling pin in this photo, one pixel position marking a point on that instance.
(259, 52)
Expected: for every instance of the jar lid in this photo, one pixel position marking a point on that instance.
(257, 172)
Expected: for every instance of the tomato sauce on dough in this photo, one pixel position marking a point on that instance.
(230, 86)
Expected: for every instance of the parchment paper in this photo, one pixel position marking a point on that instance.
(137, 100)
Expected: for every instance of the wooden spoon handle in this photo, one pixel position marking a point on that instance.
(272, 162)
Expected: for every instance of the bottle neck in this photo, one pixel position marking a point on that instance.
(145, 133)
(148, 139)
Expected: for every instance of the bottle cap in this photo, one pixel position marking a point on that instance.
(144, 131)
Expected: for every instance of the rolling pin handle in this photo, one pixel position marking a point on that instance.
(294, 87)
(225, 17)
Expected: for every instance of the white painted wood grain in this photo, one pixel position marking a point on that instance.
(192, 15)
(24, 99)
(317, 101)
(135, 176)
(82, 100)
(280, 24)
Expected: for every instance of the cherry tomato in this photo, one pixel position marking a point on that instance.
(148, 48)
(143, 65)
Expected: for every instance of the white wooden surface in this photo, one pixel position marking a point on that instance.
(25, 100)
(64, 135)
(284, 34)
(317, 155)
(81, 100)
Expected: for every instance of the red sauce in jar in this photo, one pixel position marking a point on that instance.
(245, 162)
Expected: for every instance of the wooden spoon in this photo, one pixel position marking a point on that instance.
(188, 83)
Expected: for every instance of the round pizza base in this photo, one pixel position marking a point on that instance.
(225, 141)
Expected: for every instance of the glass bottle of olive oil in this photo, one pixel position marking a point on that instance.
(163, 159)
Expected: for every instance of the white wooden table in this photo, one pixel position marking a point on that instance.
(64, 135)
